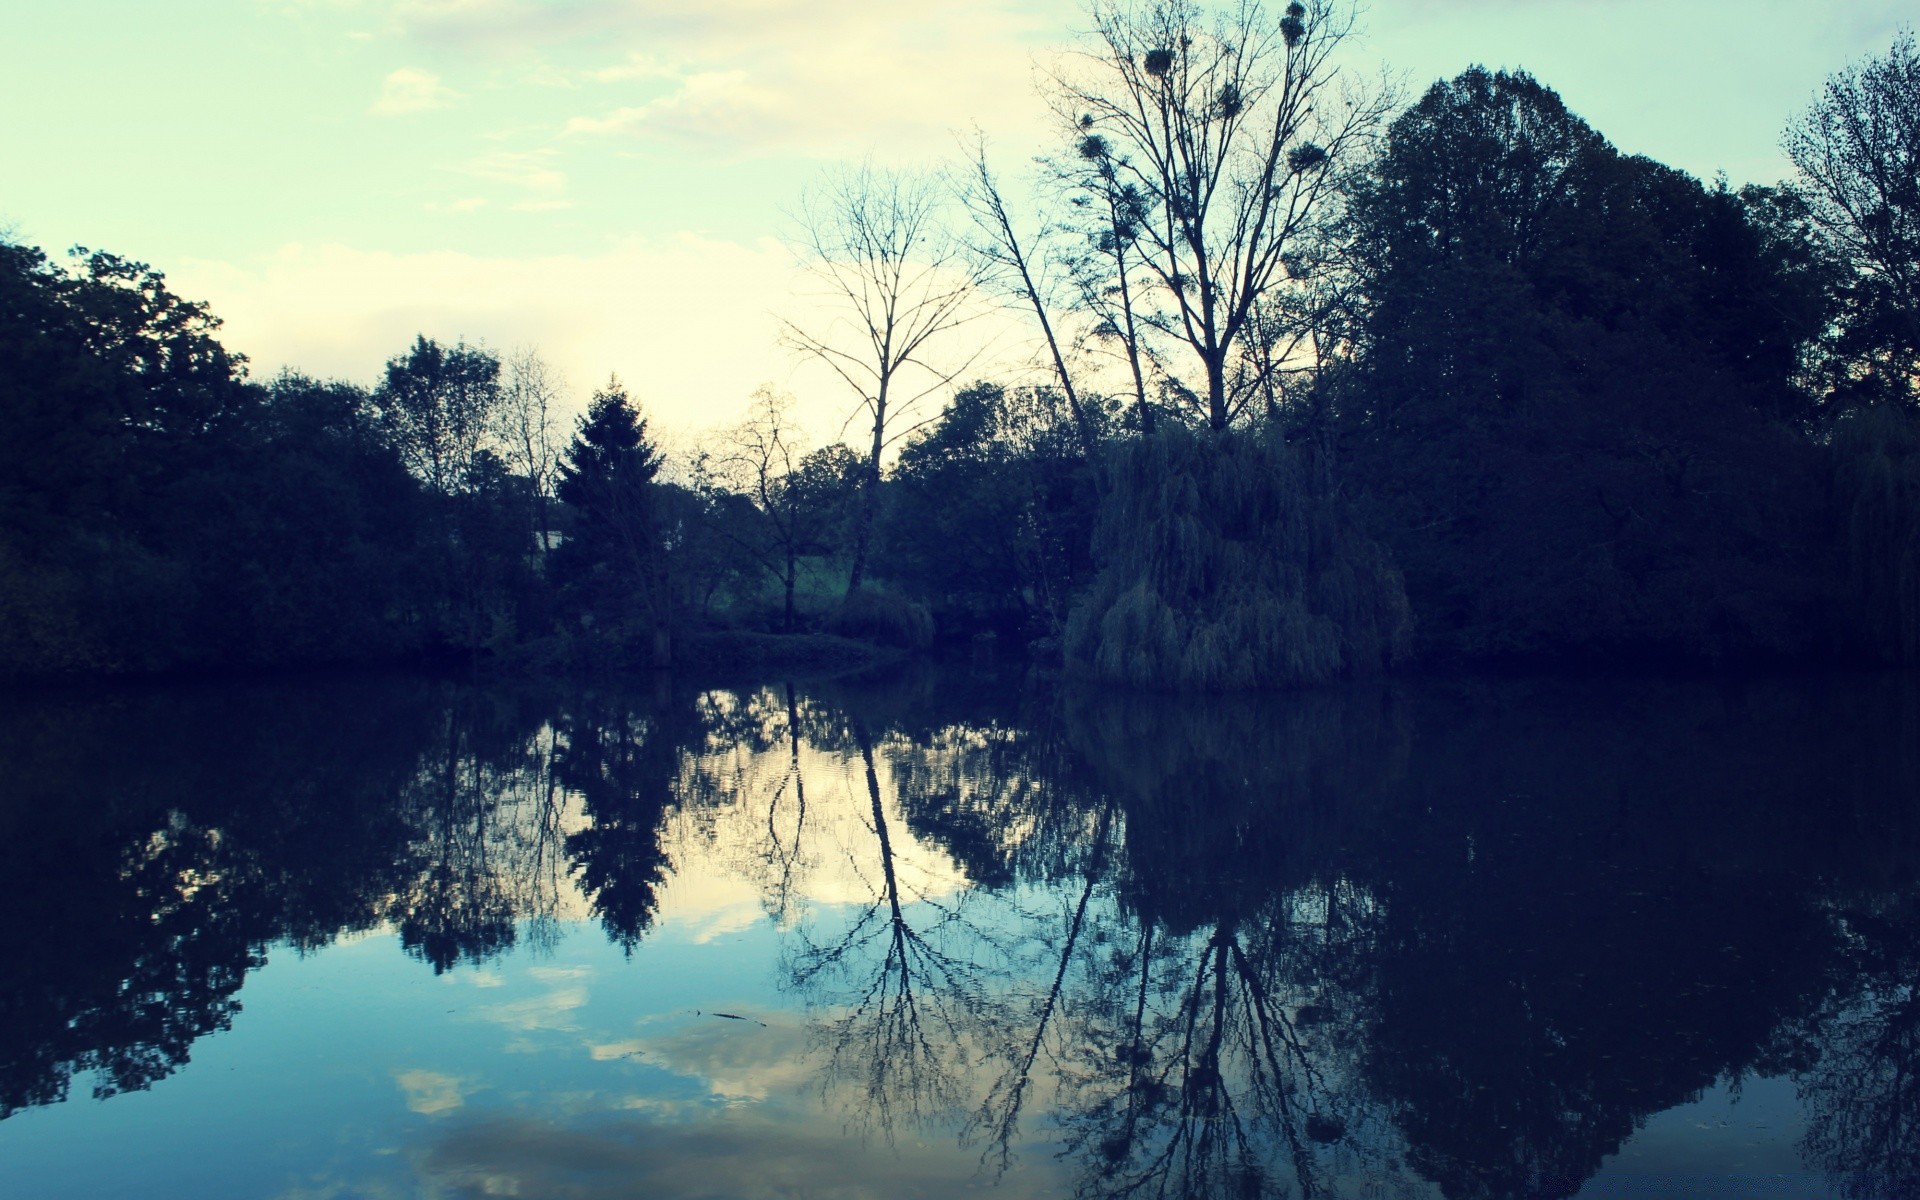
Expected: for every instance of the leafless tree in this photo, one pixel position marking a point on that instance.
(526, 431)
(1018, 267)
(800, 496)
(896, 280)
(1220, 129)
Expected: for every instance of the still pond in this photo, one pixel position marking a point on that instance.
(956, 933)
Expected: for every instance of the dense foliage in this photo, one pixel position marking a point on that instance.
(1221, 568)
(1574, 410)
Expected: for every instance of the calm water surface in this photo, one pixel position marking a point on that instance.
(949, 934)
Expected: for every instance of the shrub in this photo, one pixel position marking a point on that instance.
(878, 615)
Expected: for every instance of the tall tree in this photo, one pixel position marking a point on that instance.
(615, 558)
(437, 407)
(1571, 409)
(1857, 149)
(1018, 267)
(896, 281)
(1212, 135)
(525, 428)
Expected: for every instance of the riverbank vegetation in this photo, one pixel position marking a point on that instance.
(1325, 384)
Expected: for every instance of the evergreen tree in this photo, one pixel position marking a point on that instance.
(614, 560)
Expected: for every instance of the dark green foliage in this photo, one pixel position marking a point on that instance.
(773, 513)
(990, 512)
(1220, 569)
(613, 564)
(1575, 418)
(876, 614)
(434, 408)
(1877, 488)
(159, 512)
(312, 546)
(111, 389)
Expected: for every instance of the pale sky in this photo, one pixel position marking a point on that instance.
(607, 179)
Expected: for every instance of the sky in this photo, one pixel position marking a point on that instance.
(612, 181)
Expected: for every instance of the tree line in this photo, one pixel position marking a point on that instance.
(1324, 384)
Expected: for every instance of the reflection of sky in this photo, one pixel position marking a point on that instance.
(562, 1069)
(1707, 1147)
(566, 1069)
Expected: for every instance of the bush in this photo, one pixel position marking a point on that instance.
(877, 615)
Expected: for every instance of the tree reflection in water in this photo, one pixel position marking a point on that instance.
(1366, 941)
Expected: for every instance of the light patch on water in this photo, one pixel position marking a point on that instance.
(430, 1092)
(552, 1012)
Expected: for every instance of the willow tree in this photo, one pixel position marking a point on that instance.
(1224, 569)
(893, 284)
(1221, 131)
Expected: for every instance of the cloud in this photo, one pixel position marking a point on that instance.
(751, 1155)
(532, 170)
(411, 90)
(684, 320)
(737, 1060)
(430, 1092)
(553, 1012)
(829, 78)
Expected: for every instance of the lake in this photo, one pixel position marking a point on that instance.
(954, 932)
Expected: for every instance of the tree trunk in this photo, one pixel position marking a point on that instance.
(1216, 394)
(787, 616)
(869, 498)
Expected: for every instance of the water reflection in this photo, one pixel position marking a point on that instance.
(1441, 938)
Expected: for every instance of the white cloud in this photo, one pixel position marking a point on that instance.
(553, 1012)
(684, 320)
(830, 78)
(411, 90)
(637, 66)
(430, 1092)
(532, 170)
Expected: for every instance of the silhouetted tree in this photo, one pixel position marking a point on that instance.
(437, 407)
(1574, 410)
(1021, 268)
(1226, 127)
(1857, 149)
(799, 501)
(895, 277)
(991, 508)
(526, 431)
(614, 559)
(1222, 567)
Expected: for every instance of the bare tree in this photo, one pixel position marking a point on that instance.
(1218, 131)
(1107, 262)
(896, 279)
(525, 430)
(799, 496)
(1858, 152)
(1005, 262)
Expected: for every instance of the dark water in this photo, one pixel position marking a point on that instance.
(950, 935)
